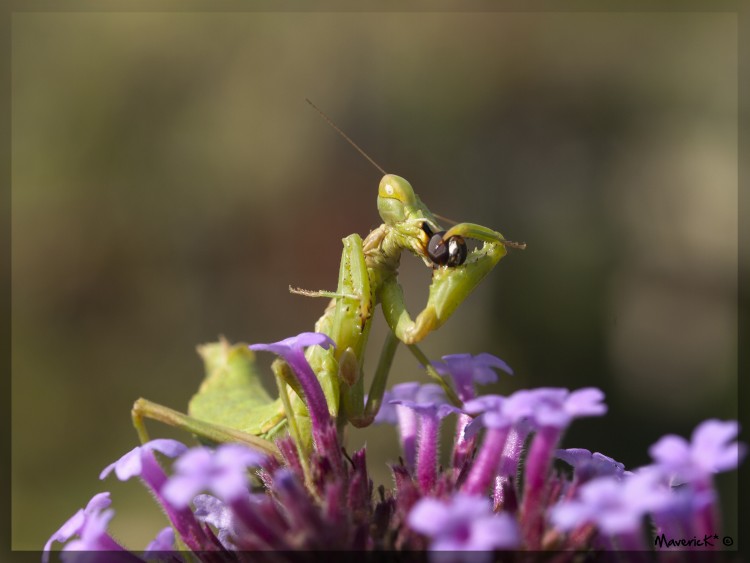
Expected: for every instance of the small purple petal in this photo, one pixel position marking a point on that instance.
(473, 427)
(588, 465)
(497, 532)
(75, 523)
(430, 393)
(223, 471)
(212, 511)
(616, 507)
(90, 525)
(430, 517)
(585, 402)
(93, 533)
(302, 340)
(484, 403)
(479, 368)
(671, 450)
(493, 413)
(466, 370)
(554, 406)
(388, 413)
(429, 400)
(463, 522)
(711, 451)
(711, 447)
(164, 541)
(130, 465)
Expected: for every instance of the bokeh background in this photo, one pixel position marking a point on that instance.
(170, 183)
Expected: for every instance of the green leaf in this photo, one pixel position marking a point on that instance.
(232, 393)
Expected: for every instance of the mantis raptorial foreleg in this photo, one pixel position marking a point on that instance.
(448, 289)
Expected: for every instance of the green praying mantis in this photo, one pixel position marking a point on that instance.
(232, 405)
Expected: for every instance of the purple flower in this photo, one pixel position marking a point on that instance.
(429, 400)
(431, 406)
(140, 462)
(616, 507)
(494, 416)
(292, 350)
(492, 413)
(693, 463)
(555, 406)
(388, 413)
(132, 463)
(463, 523)
(681, 516)
(223, 471)
(550, 410)
(392, 412)
(466, 370)
(303, 340)
(710, 451)
(90, 525)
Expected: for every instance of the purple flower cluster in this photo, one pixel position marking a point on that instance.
(500, 491)
(676, 491)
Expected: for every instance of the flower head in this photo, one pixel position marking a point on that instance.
(327, 501)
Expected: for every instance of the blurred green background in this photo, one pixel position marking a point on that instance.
(170, 183)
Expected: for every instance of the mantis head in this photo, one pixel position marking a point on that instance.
(417, 229)
(406, 215)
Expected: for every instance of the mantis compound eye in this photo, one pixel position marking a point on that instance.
(447, 252)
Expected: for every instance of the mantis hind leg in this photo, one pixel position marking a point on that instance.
(212, 432)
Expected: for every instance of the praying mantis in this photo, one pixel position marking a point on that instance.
(232, 406)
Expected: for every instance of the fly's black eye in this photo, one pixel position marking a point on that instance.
(437, 250)
(457, 251)
(446, 252)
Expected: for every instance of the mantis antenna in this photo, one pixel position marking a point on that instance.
(344, 135)
(509, 243)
